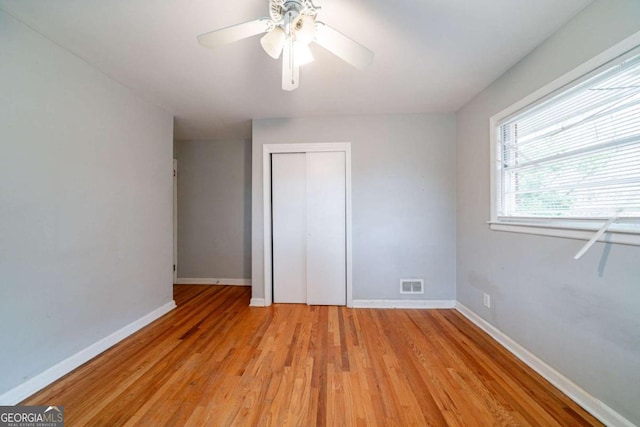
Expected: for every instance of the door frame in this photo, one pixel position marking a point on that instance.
(267, 150)
(175, 221)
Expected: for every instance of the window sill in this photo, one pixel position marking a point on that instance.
(624, 234)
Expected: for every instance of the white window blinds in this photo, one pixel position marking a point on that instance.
(576, 154)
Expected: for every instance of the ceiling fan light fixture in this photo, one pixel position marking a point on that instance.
(302, 54)
(273, 42)
(305, 29)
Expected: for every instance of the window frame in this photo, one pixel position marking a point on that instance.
(625, 232)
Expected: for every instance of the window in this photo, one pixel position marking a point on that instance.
(570, 159)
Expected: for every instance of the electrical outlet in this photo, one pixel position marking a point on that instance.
(486, 300)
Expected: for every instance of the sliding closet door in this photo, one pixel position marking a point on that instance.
(309, 228)
(289, 189)
(326, 232)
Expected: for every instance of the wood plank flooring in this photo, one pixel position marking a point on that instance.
(214, 361)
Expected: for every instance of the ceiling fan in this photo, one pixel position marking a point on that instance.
(290, 28)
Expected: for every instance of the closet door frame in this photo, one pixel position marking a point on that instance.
(267, 150)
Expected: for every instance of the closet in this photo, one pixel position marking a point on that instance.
(308, 193)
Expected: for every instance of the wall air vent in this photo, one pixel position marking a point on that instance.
(411, 286)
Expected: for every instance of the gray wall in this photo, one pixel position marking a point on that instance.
(581, 317)
(403, 195)
(85, 205)
(214, 209)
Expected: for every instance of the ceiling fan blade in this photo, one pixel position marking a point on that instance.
(290, 70)
(234, 33)
(342, 46)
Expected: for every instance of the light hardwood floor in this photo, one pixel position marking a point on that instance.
(215, 361)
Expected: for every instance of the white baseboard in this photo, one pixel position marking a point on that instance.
(591, 404)
(257, 302)
(402, 303)
(197, 281)
(26, 389)
(386, 303)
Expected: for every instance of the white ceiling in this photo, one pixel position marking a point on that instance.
(431, 55)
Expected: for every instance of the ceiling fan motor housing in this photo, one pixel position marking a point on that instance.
(278, 9)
